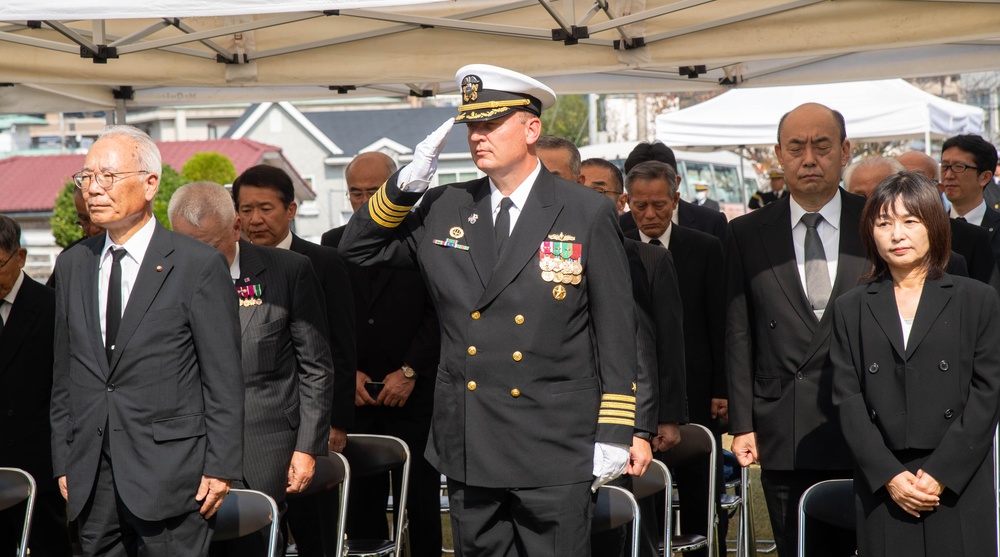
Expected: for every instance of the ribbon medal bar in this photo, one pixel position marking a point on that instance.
(250, 295)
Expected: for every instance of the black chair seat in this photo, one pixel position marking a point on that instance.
(687, 542)
(364, 548)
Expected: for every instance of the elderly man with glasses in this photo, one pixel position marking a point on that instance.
(147, 395)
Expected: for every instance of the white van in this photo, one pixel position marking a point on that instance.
(721, 170)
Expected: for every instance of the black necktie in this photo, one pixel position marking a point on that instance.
(113, 314)
(655, 242)
(961, 219)
(501, 229)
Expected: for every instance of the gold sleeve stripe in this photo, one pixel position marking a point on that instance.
(619, 413)
(618, 405)
(616, 421)
(618, 398)
(384, 212)
(493, 104)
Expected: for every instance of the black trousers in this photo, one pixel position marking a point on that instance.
(782, 490)
(49, 536)
(107, 527)
(367, 501)
(532, 522)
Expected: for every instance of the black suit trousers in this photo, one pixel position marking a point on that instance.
(367, 501)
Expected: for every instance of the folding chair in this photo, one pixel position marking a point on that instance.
(829, 502)
(657, 478)
(243, 512)
(331, 471)
(696, 442)
(615, 508)
(16, 486)
(376, 454)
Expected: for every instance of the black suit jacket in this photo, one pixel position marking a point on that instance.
(709, 204)
(172, 397)
(991, 222)
(701, 278)
(339, 299)
(689, 215)
(519, 382)
(26, 383)
(777, 354)
(396, 324)
(287, 366)
(661, 394)
(973, 243)
(939, 393)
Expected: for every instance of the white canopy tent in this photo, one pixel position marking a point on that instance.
(104, 54)
(874, 110)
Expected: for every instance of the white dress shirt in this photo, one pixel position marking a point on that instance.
(234, 269)
(974, 216)
(829, 234)
(135, 249)
(7, 303)
(518, 197)
(664, 238)
(286, 243)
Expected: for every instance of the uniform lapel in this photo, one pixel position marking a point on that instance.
(479, 231)
(152, 272)
(776, 237)
(933, 300)
(882, 304)
(251, 271)
(533, 225)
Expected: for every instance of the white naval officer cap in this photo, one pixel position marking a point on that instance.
(490, 92)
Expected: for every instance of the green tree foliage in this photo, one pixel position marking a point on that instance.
(568, 119)
(212, 167)
(64, 219)
(170, 180)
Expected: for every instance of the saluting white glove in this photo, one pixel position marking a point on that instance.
(417, 175)
(610, 460)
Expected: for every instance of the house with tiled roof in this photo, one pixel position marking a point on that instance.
(321, 143)
(29, 186)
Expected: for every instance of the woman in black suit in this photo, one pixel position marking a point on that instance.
(917, 384)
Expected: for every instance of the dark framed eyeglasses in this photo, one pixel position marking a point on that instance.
(603, 191)
(105, 179)
(957, 167)
(4, 264)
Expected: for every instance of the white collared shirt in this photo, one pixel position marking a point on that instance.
(974, 216)
(9, 298)
(234, 269)
(286, 243)
(664, 238)
(829, 234)
(135, 248)
(518, 197)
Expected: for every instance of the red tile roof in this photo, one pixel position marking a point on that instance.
(31, 183)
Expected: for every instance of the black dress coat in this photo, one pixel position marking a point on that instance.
(932, 405)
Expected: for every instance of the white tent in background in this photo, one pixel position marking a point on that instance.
(874, 110)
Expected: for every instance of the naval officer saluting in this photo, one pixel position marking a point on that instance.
(535, 394)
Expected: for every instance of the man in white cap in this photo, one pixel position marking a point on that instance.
(701, 198)
(534, 405)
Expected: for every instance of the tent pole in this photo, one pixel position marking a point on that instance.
(742, 173)
(120, 111)
(927, 142)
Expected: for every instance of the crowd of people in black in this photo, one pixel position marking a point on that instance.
(531, 335)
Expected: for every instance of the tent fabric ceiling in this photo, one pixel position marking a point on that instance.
(873, 110)
(415, 48)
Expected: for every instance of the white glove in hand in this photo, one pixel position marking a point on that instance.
(610, 460)
(417, 175)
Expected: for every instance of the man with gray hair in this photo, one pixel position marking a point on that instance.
(559, 156)
(860, 178)
(147, 395)
(287, 369)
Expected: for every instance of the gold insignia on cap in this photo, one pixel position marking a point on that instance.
(456, 232)
(561, 237)
(470, 88)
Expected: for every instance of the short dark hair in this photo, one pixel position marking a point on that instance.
(556, 142)
(654, 151)
(841, 123)
(616, 173)
(10, 234)
(653, 170)
(984, 154)
(921, 199)
(266, 176)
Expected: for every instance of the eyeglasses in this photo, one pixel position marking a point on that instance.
(104, 179)
(957, 167)
(4, 264)
(603, 191)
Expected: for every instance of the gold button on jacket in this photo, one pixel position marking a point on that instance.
(472, 350)
(472, 385)
(517, 356)
(515, 393)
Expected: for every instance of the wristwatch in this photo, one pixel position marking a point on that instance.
(408, 372)
(643, 435)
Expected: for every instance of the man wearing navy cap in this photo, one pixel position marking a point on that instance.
(534, 403)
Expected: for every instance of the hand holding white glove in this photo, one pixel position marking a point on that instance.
(417, 175)
(610, 460)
